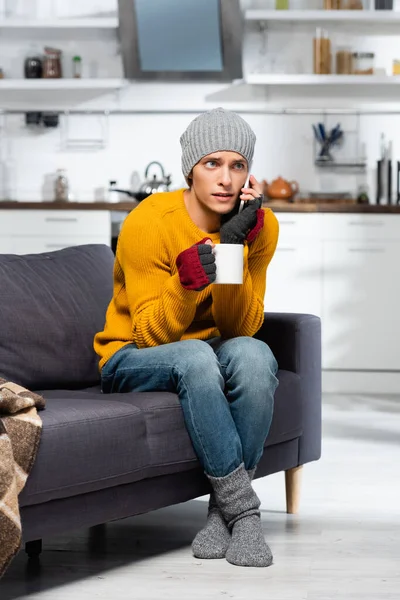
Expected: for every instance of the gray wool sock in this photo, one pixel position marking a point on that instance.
(214, 539)
(239, 506)
(248, 547)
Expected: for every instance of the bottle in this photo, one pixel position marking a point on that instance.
(113, 196)
(77, 67)
(281, 4)
(322, 53)
(61, 187)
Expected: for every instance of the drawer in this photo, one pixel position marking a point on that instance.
(298, 225)
(36, 245)
(55, 222)
(361, 227)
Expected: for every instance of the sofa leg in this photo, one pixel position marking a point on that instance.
(34, 548)
(293, 485)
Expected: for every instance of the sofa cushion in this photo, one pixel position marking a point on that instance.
(51, 306)
(92, 440)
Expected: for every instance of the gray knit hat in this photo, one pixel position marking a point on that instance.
(213, 131)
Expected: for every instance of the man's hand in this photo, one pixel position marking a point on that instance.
(196, 266)
(248, 223)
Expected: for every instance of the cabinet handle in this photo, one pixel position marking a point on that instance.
(280, 249)
(61, 219)
(287, 222)
(367, 223)
(62, 246)
(372, 250)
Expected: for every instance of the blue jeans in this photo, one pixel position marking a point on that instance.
(226, 390)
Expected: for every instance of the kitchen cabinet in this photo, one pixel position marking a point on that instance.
(34, 231)
(343, 268)
(361, 300)
(294, 281)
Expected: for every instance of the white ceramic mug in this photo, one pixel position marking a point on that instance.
(229, 263)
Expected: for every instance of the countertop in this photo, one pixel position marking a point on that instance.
(301, 207)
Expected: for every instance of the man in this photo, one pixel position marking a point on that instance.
(168, 328)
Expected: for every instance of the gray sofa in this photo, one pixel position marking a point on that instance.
(105, 457)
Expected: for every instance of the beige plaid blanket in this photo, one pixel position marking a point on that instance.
(20, 429)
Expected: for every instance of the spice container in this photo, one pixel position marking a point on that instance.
(282, 4)
(61, 187)
(77, 67)
(333, 4)
(344, 62)
(396, 67)
(322, 53)
(363, 63)
(52, 63)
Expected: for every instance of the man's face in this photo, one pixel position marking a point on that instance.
(217, 180)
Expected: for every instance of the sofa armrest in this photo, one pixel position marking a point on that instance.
(295, 340)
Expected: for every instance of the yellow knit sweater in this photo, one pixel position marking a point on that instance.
(150, 307)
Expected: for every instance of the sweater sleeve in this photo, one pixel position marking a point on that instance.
(161, 309)
(238, 310)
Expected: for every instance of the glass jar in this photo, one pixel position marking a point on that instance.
(396, 67)
(77, 67)
(363, 63)
(61, 186)
(344, 62)
(52, 64)
(322, 53)
(333, 4)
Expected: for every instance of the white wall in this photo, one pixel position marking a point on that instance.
(285, 142)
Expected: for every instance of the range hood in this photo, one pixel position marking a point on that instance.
(181, 40)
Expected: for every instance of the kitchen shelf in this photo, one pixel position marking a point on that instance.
(54, 94)
(91, 23)
(60, 84)
(321, 80)
(327, 16)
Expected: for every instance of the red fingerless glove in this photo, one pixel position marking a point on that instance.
(196, 266)
(253, 233)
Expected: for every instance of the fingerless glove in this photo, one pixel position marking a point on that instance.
(245, 225)
(196, 266)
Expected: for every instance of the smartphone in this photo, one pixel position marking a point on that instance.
(246, 184)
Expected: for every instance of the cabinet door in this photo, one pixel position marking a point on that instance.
(361, 300)
(294, 278)
(36, 245)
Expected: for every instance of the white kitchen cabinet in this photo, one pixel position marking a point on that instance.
(294, 282)
(36, 245)
(35, 231)
(361, 301)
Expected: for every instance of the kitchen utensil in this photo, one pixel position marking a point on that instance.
(154, 185)
(327, 141)
(389, 173)
(229, 263)
(150, 186)
(280, 189)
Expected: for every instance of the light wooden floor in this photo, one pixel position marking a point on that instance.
(344, 544)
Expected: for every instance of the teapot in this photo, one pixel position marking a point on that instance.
(280, 189)
(154, 185)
